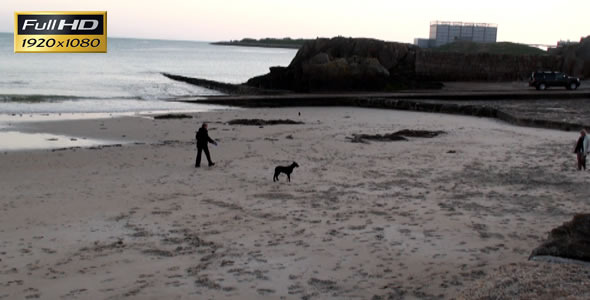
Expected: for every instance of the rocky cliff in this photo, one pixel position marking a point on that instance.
(345, 64)
(368, 64)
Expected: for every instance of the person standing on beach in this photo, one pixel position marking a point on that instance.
(203, 140)
(582, 149)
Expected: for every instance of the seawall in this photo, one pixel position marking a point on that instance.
(491, 105)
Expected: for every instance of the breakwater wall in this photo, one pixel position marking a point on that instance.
(409, 104)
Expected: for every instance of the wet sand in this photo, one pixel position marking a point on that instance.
(417, 219)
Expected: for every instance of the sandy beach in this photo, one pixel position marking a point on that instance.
(417, 219)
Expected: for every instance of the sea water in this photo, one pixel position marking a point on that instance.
(126, 79)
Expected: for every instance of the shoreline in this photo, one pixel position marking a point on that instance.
(259, 45)
(25, 132)
(528, 111)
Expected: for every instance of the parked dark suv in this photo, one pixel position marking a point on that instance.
(543, 79)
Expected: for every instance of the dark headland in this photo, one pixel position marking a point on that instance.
(360, 64)
(287, 42)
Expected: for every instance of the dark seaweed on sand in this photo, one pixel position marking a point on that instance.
(260, 122)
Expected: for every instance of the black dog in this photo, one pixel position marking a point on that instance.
(284, 169)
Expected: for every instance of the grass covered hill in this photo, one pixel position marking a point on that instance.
(492, 48)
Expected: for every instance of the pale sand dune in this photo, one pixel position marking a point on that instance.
(405, 220)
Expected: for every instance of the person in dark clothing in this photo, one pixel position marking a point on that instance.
(203, 140)
(582, 149)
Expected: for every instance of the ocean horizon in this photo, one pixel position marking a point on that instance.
(128, 78)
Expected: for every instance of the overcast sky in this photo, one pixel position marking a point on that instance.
(532, 22)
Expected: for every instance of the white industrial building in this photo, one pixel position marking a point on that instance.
(447, 32)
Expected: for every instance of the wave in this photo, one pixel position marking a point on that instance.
(36, 98)
(14, 82)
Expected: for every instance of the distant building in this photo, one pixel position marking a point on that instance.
(447, 32)
(424, 43)
(563, 43)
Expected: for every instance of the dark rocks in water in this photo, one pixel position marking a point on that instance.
(172, 116)
(260, 122)
(396, 136)
(570, 240)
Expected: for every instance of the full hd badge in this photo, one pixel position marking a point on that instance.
(59, 31)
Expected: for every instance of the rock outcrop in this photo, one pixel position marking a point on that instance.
(570, 240)
(341, 64)
(346, 64)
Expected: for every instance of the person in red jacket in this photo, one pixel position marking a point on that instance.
(203, 140)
